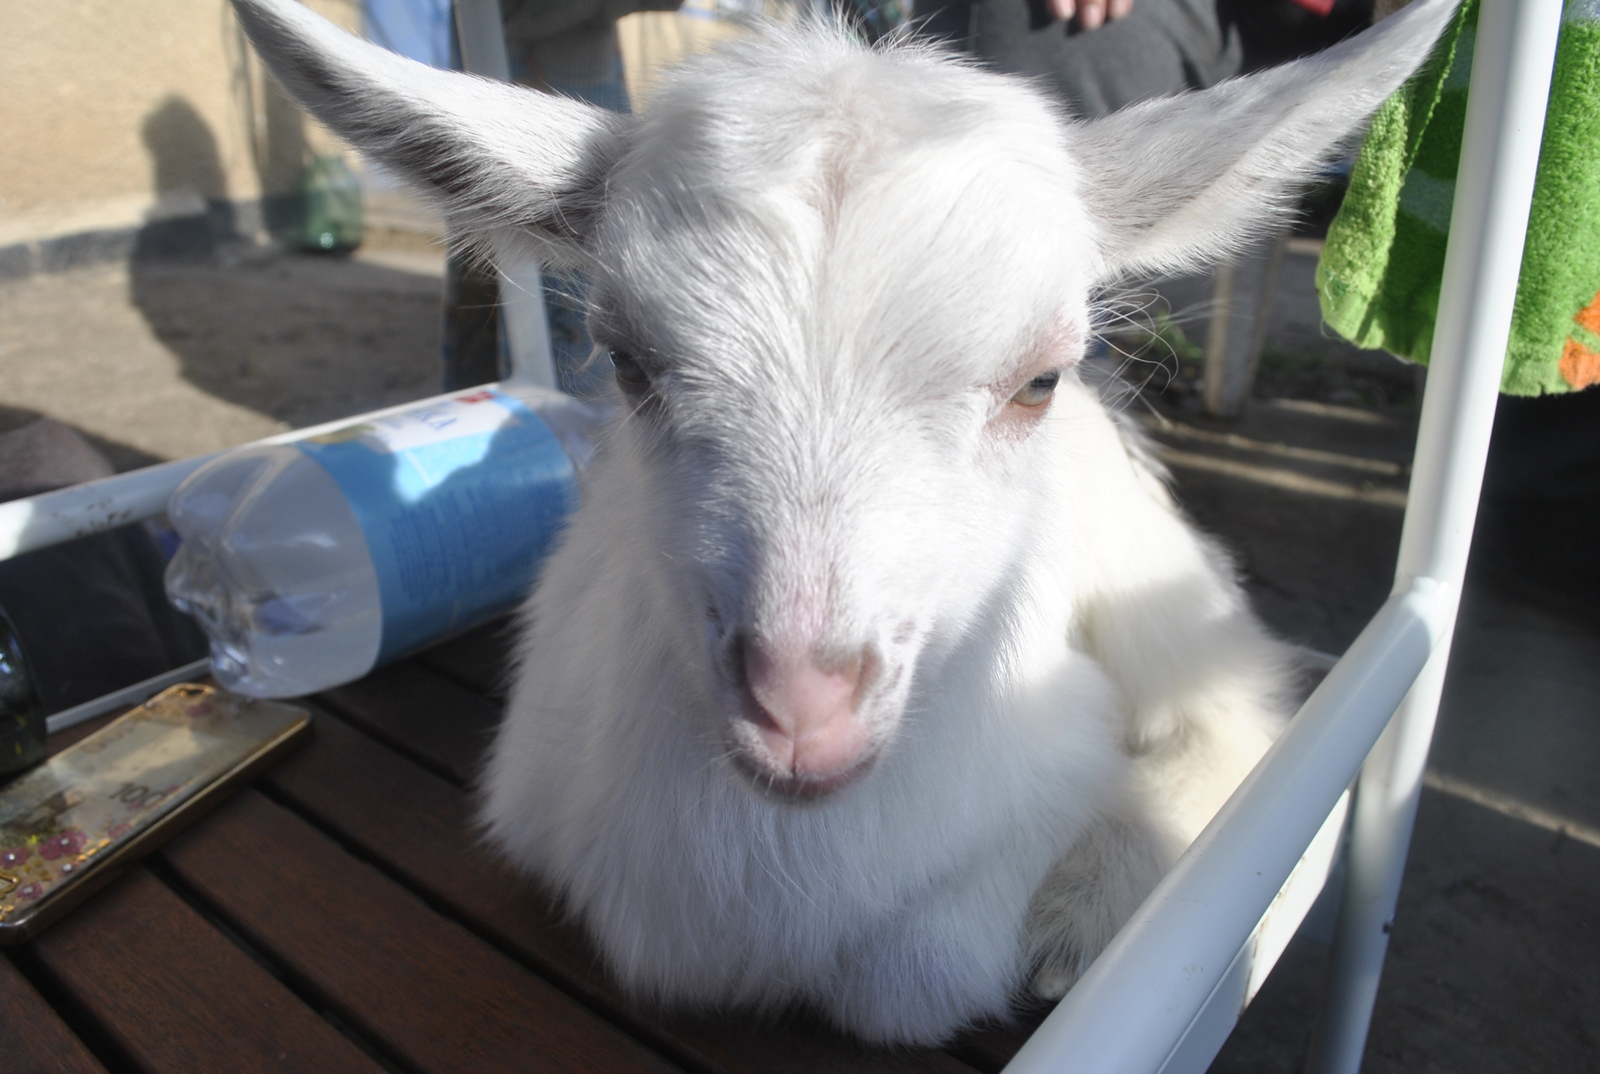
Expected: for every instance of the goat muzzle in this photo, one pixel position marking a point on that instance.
(801, 728)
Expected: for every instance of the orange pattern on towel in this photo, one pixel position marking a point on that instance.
(1580, 366)
(1589, 316)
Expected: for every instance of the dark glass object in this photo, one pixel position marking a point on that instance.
(22, 727)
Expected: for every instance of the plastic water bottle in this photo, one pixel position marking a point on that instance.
(309, 563)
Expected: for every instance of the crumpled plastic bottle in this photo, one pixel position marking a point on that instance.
(309, 563)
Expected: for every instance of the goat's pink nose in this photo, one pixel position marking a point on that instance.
(807, 717)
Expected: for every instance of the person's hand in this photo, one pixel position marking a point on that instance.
(1091, 13)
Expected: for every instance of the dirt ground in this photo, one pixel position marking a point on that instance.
(163, 360)
(1495, 957)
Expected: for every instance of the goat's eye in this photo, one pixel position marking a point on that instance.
(631, 376)
(1038, 391)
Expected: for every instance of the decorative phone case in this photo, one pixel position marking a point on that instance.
(74, 823)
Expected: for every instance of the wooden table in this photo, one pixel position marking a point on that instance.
(339, 914)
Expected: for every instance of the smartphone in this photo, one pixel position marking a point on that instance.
(73, 824)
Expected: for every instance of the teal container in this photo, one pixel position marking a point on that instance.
(330, 197)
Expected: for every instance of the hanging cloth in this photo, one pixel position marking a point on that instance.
(1381, 266)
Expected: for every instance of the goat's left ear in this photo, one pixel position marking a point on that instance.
(1176, 182)
(516, 170)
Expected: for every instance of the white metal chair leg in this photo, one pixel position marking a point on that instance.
(1245, 286)
(482, 38)
(527, 325)
(1380, 835)
(1512, 62)
(481, 34)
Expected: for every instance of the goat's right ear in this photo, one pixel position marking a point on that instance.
(518, 171)
(1179, 181)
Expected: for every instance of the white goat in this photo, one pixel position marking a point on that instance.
(877, 670)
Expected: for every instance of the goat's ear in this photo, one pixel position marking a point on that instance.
(516, 170)
(1176, 182)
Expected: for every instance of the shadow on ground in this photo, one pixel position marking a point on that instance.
(1307, 498)
(300, 338)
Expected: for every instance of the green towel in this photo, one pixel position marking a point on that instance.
(1380, 270)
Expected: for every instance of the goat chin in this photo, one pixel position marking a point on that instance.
(877, 670)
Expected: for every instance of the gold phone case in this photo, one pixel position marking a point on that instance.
(70, 826)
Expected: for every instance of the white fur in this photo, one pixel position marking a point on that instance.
(838, 266)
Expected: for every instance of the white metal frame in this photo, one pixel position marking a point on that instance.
(481, 34)
(1169, 988)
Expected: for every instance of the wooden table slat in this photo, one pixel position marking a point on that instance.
(416, 984)
(419, 825)
(386, 776)
(176, 995)
(477, 659)
(33, 1038)
(442, 726)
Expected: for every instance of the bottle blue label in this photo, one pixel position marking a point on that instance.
(458, 500)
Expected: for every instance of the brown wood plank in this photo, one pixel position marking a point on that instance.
(176, 995)
(419, 826)
(479, 659)
(33, 1039)
(415, 983)
(443, 726)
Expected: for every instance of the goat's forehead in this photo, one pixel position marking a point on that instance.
(881, 204)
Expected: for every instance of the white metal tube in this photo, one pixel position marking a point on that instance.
(523, 317)
(1380, 835)
(1512, 62)
(52, 517)
(1134, 1006)
(527, 325)
(481, 35)
(1513, 59)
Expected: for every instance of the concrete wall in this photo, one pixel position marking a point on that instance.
(115, 113)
